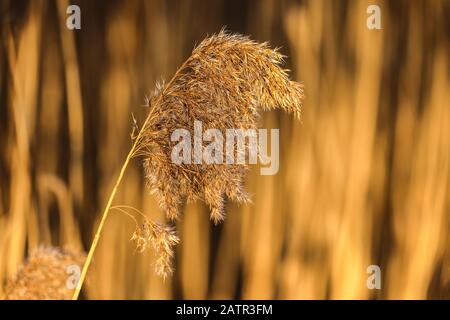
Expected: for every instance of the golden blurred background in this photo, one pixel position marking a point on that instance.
(364, 178)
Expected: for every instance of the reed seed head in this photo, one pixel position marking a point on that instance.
(162, 238)
(45, 275)
(225, 84)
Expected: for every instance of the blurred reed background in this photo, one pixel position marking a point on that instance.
(364, 179)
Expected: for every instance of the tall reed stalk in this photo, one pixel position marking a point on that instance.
(224, 84)
(105, 213)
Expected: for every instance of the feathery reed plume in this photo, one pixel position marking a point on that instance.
(44, 275)
(163, 238)
(159, 236)
(223, 84)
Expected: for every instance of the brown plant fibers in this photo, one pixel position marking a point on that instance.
(224, 84)
(44, 275)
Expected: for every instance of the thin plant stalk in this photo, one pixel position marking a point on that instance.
(130, 155)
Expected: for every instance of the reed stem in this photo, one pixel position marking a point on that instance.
(130, 155)
(104, 216)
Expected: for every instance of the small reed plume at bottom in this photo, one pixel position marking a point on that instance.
(46, 275)
(161, 237)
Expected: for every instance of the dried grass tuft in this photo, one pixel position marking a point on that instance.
(44, 275)
(225, 83)
(163, 239)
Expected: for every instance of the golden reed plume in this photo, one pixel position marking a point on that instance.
(223, 83)
(44, 276)
(161, 237)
